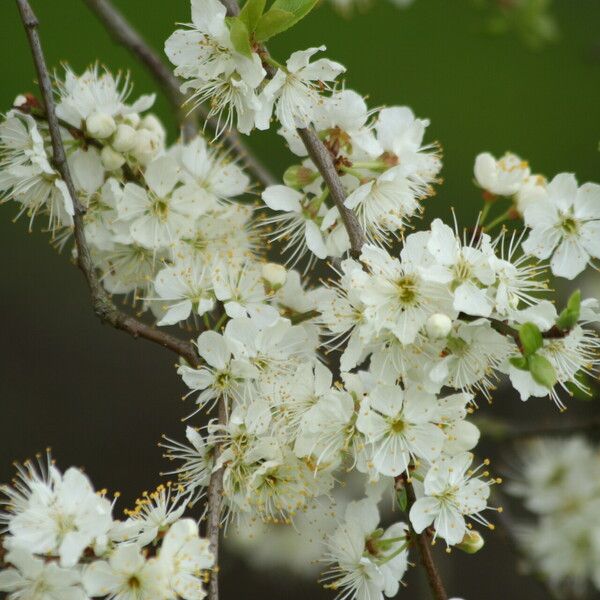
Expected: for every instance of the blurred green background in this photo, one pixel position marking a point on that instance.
(103, 400)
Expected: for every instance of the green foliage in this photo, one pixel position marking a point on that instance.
(531, 338)
(251, 13)
(240, 36)
(282, 15)
(402, 499)
(541, 370)
(570, 315)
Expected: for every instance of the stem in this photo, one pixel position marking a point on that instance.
(499, 220)
(125, 34)
(215, 498)
(101, 301)
(484, 213)
(423, 543)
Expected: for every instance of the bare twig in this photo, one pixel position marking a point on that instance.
(124, 33)
(102, 303)
(215, 498)
(423, 543)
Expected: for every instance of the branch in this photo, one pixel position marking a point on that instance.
(322, 158)
(123, 32)
(215, 498)
(423, 543)
(101, 301)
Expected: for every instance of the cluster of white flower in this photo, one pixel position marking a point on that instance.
(419, 331)
(558, 481)
(62, 542)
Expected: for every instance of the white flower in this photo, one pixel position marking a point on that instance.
(156, 511)
(183, 289)
(401, 425)
(438, 326)
(451, 493)
(99, 97)
(30, 578)
(184, 556)
(565, 225)
(62, 517)
(126, 576)
(160, 215)
(221, 376)
(396, 295)
(299, 225)
(503, 177)
(368, 562)
(204, 55)
(296, 89)
(465, 268)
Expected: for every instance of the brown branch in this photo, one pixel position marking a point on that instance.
(423, 543)
(215, 498)
(124, 33)
(101, 301)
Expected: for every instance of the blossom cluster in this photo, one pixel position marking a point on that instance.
(558, 482)
(374, 370)
(62, 541)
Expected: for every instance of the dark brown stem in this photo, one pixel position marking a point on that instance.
(124, 33)
(101, 301)
(215, 499)
(423, 543)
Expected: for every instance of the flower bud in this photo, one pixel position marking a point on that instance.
(132, 119)
(298, 176)
(438, 326)
(111, 159)
(100, 125)
(124, 138)
(147, 146)
(274, 275)
(151, 123)
(471, 543)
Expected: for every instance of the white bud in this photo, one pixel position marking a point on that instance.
(274, 274)
(132, 119)
(100, 125)
(124, 138)
(147, 146)
(20, 100)
(471, 543)
(151, 123)
(111, 159)
(438, 326)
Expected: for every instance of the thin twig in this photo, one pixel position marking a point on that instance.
(423, 542)
(215, 498)
(102, 303)
(126, 35)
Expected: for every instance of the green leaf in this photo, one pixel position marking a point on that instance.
(531, 338)
(402, 499)
(570, 315)
(240, 38)
(273, 22)
(520, 362)
(542, 371)
(282, 15)
(251, 13)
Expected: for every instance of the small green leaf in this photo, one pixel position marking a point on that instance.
(402, 499)
(520, 362)
(274, 21)
(251, 13)
(542, 371)
(570, 315)
(240, 38)
(531, 338)
(282, 15)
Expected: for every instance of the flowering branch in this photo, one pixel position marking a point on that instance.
(123, 32)
(423, 543)
(103, 305)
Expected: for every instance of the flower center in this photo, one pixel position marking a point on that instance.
(569, 225)
(160, 208)
(407, 289)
